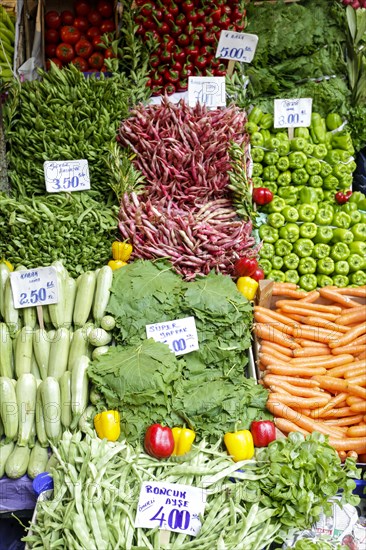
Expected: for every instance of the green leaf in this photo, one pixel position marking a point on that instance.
(352, 22)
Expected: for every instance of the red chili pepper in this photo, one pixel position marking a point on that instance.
(157, 79)
(178, 54)
(244, 267)
(187, 6)
(181, 20)
(263, 432)
(262, 195)
(200, 62)
(208, 22)
(176, 66)
(216, 14)
(220, 70)
(168, 43)
(183, 40)
(154, 60)
(147, 9)
(209, 38)
(171, 76)
(206, 50)
(182, 85)
(224, 21)
(159, 441)
(341, 198)
(169, 89)
(258, 274)
(165, 56)
(192, 50)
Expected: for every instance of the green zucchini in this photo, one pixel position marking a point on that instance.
(108, 322)
(79, 389)
(84, 298)
(78, 347)
(29, 315)
(97, 352)
(17, 463)
(65, 389)
(46, 317)
(37, 461)
(23, 351)
(57, 311)
(40, 426)
(6, 352)
(52, 463)
(26, 392)
(35, 369)
(5, 451)
(70, 295)
(102, 292)
(99, 337)
(11, 315)
(4, 276)
(51, 402)
(41, 350)
(59, 353)
(8, 408)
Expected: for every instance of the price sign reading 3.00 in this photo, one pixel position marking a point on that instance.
(66, 175)
(34, 287)
(292, 113)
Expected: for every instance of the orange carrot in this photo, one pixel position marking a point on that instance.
(278, 389)
(339, 412)
(339, 385)
(296, 318)
(308, 306)
(273, 335)
(288, 370)
(274, 354)
(267, 319)
(362, 355)
(278, 348)
(305, 382)
(351, 399)
(354, 350)
(297, 402)
(359, 407)
(336, 297)
(358, 380)
(293, 390)
(317, 334)
(311, 344)
(356, 431)
(289, 293)
(287, 426)
(323, 323)
(347, 421)
(353, 316)
(275, 316)
(349, 337)
(280, 286)
(359, 292)
(327, 362)
(270, 360)
(357, 444)
(331, 403)
(311, 352)
(311, 297)
(356, 370)
(293, 309)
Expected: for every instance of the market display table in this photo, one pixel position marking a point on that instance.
(16, 494)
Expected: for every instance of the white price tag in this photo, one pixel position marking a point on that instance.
(292, 113)
(34, 287)
(170, 506)
(66, 175)
(238, 46)
(207, 90)
(180, 334)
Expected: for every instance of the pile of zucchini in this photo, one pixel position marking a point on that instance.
(44, 386)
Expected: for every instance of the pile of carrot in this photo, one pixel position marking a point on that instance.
(313, 360)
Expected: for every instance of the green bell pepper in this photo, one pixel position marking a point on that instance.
(266, 121)
(313, 166)
(289, 194)
(320, 151)
(257, 181)
(324, 280)
(292, 276)
(320, 250)
(284, 148)
(308, 230)
(284, 179)
(316, 181)
(266, 266)
(283, 164)
(309, 149)
(339, 170)
(277, 276)
(358, 247)
(257, 169)
(339, 251)
(342, 140)
(330, 183)
(276, 219)
(268, 234)
(290, 232)
(271, 185)
(341, 219)
(302, 132)
(291, 261)
(341, 267)
(276, 205)
(297, 159)
(297, 144)
(325, 266)
(290, 214)
(340, 281)
(329, 197)
(325, 169)
(300, 176)
(342, 236)
(255, 115)
(266, 135)
(349, 207)
(272, 143)
(324, 234)
(282, 135)
(345, 182)
(257, 154)
(320, 194)
(355, 216)
(267, 251)
(283, 247)
(361, 204)
(308, 282)
(333, 121)
(270, 173)
(307, 212)
(308, 195)
(277, 262)
(358, 278)
(355, 262)
(359, 231)
(363, 217)
(318, 128)
(324, 216)
(257, 139)
(356, 197)
(333, 158)
(271, 158)
(251, 127)
(307, 265)
(303, 247)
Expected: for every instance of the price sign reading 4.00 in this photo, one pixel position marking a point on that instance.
(292, 113)
(170, 506)
(66, 175)
(34, 287)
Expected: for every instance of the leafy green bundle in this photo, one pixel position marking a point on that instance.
(207, 388)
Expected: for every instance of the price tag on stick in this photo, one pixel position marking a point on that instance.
(236, 46)
(180, 334)
(66, 175)
(292, 113)
(207, 90)
(34, 287)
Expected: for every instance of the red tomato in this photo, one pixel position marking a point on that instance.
(93, 31)
(107, 26)
(52, 19)
(50, 50)
(65, 52)
(96, 60)
(105, 8)
(70, 35)
(82, 8)
(109, 53)
(55, 61)
(81, 64)
(95, 18)
(81, 23)
(67, 17)
(52, 36)
(84, 48)
(97, 41)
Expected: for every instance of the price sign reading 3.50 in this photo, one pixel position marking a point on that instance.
(66, 175)
(34, 287)
(292, 113)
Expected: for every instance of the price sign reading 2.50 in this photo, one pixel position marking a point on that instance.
(34, 287)
(66, 175)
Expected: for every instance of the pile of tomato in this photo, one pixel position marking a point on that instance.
(76, 36)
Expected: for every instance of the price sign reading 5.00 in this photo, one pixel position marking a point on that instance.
(66, 175)
(292, 113)
(34, 287)
(237, 46)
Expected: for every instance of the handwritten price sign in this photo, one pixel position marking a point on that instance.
(170, 506)
(237, 46)
(66, 175)
(180, 334)
(34, 287)
(292, 113)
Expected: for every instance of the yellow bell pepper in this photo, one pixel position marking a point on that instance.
(107, 425)
(239, 445)
(116, 264)
(8, 264)
(247, 286)
(121, 250)
(183, 439)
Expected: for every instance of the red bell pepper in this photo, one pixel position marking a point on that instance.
(159, 441)
(244, 267)
(262, 195)
(263, 432)
(258, 274)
